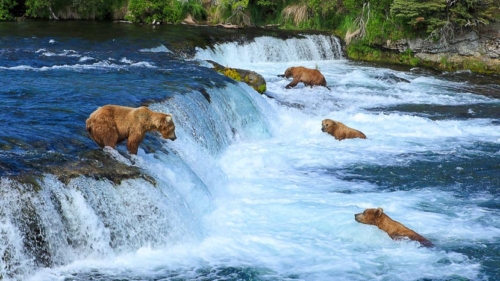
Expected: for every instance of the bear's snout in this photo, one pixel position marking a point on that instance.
(357, 217)
(323, 128)
(361, 218)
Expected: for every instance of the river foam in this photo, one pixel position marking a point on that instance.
(252, 189)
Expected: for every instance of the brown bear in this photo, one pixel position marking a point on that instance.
(310, 77)
(111, 124)
(339, 130)
(395, 229)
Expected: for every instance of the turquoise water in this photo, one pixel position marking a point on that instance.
(252, 189)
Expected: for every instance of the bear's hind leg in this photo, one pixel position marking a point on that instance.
(104, 134)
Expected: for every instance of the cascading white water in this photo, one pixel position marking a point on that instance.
(269, 49)
(253, 190)
(96, 219)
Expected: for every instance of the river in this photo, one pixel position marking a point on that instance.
(252, 189)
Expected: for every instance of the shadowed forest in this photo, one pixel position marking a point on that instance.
(373, 21)
(365, 26)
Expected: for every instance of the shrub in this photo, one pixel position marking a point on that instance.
(5, 7)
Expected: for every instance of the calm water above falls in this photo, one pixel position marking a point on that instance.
(251, 189)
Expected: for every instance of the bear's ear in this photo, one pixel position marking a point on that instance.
(168, 118)
(379, 212)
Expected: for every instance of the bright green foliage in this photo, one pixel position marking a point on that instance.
(238, 5)
(320, 7)
(424, 15)
(38, 8)
(323, 13)
(195, 9)
(352, 6)
(72, 9)
(374, 22)
(367, 21)
(359, 51)
(151, 10)
(313, 14)
(474, 12)
(164, 11)
(234, 5)
(5, 6)
(432, 16)
(407, 58)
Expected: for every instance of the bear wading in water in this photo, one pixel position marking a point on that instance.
(339, 130)
(310, 77)
(111, 124)
(394, 229)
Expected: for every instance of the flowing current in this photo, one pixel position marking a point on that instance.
(252, 189)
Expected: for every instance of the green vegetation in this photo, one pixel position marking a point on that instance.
(372, 21)
(365, 25)
(170, 11)
(5, 7)
(229, 72)
(71, 9)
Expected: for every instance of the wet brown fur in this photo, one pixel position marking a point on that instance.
(111, 124)
(310, 77)
(394, 229)
(339, 130)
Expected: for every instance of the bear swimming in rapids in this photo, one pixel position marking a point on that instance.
(111, 124)
(310, 77)
(339, 130)
(394, 229)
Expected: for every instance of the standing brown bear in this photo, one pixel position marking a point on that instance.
(310, 77)
(393, 228)
(339, 130)
(111, 124)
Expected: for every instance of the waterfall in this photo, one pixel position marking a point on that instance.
(270, 49)
(47, 222)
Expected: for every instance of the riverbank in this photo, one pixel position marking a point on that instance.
(475, 51)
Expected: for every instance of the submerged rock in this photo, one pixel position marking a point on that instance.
(98, 165)
(252, 78)
(94, 163)
(391, 78)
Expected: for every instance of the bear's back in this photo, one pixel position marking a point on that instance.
(343, 131)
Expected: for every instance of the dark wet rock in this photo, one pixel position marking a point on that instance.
(94, 163)
(391, 78)
(98, 165)
(480, 47)
(252, 78)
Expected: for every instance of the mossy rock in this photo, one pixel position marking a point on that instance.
(252, 78)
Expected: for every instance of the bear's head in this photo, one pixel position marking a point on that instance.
(289, 72)
(328, 125)
(369, 216)
(167, 127)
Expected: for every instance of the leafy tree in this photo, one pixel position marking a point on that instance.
(421, 15)
(5, 7)
(164, 11)
(72, 9)
(38, 8)
(444, 16)
(194, 8)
